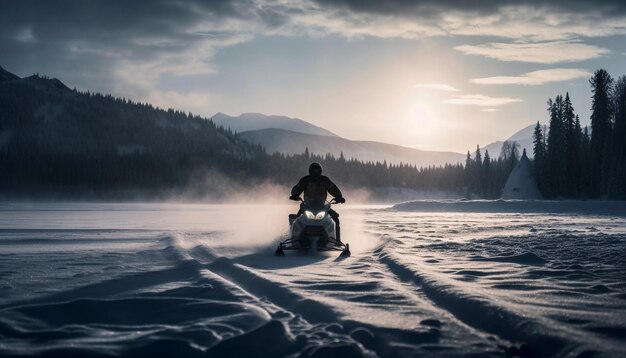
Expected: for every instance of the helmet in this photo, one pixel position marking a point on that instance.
(315, 170)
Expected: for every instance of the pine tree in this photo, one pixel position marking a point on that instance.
(617, 180)
(539, 151)
(569, 178)
(585, 176)
(556, 144)
(468, 169)
(477, 171)
(601, 83)
(578, 158)
(478, 158)
(487, 176)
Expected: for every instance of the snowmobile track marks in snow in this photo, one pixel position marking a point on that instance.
(479, 313)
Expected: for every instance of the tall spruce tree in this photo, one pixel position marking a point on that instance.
(487, 176)
(601, 83)
(478, 158)
(539, 150)
(617, 178)
(568, 180)
(578, 158)
(585, 175)
(556, 145)
(477, 170)
(468, 172)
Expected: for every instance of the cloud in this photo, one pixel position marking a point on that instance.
(436, 86)
(119, 46)
(541, 52)
(396, 7)
(531, 20)
(490, 110)
(535, 78)
(128, 47)
(481, 100)
(25, 35)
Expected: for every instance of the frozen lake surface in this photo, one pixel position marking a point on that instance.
(424, 279)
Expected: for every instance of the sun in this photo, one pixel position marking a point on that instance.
(420, 122)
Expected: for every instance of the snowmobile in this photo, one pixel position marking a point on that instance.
(314, 229)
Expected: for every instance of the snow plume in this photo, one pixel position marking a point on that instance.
(263, 208)
(215, 186)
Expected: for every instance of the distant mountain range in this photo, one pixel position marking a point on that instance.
(255, 121)
(293, 136)
(285, 141)
(278, 133)
(58, 142)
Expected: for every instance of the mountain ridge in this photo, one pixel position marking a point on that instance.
(256, 121)
(7, 76)
(290, 142)
(523, 137)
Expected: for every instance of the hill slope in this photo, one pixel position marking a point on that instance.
(7, 76)
(256, 121)
(59, 138)
(60, 143)
(289, 142)
(523, 137)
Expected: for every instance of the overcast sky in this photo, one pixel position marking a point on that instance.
(429, 74)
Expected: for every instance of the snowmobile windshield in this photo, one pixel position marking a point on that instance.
(317, 206)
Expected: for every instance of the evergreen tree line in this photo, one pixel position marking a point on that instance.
(60, 142)
(485, 177)
(576, 162)
(352, 173)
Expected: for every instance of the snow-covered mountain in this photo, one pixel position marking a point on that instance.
(523, 137)
(285, 141)
(255, 121)
(292, 136)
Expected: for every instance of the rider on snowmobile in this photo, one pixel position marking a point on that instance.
(315, 186)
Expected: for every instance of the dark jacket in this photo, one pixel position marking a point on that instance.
(315, 189)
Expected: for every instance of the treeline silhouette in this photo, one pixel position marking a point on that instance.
(485, 177)
(55, 141)
(60, 142)
(371, 175)
(575, 162)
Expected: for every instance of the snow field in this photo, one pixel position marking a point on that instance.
(198, 280)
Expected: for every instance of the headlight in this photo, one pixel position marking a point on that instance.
(319, 216)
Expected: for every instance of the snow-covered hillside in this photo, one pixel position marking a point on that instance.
(279, 140)
(255, 121)
(523, 137)
(292, 136)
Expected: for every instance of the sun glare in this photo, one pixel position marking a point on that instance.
(421, 122)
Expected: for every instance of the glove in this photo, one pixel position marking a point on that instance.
(340, 200)
(295, 198)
